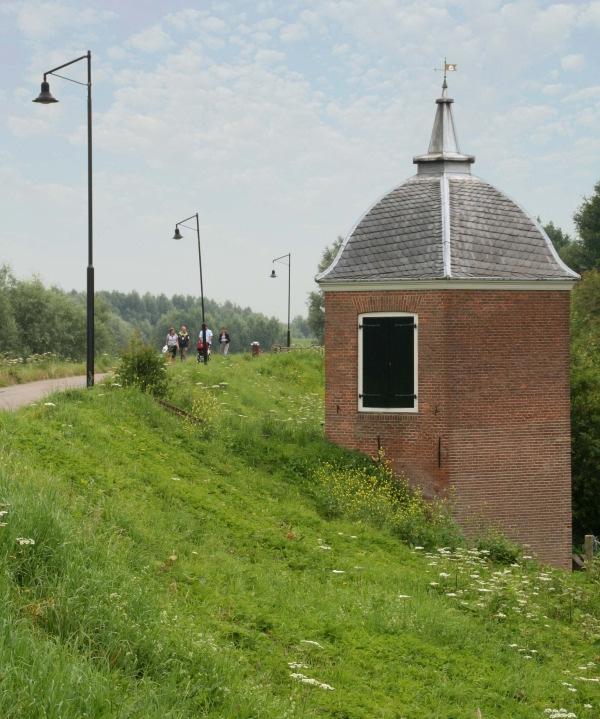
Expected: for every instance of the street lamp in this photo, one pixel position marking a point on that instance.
(274, 276)
(178, 236)
(45, 98)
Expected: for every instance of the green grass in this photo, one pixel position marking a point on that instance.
(178, 569)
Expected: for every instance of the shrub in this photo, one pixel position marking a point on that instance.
(498, 547)
(374, 493)
(140, 366)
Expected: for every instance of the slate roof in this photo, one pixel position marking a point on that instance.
(445, 223)
(398, 237)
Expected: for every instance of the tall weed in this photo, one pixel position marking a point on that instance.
(373, 493)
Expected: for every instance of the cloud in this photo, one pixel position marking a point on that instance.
(152, 39)
(584, 95)
(42, 20)
(293, 32)
(590, 15)
(553, 89)
(27, 126)
(572, 62)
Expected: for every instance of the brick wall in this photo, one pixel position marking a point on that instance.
(493, 420)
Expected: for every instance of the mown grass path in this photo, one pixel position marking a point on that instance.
(151, 567)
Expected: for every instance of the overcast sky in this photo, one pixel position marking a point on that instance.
(280, 122)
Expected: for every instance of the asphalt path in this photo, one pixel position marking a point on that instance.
(19, 395)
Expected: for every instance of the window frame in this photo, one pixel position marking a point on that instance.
(388, 410)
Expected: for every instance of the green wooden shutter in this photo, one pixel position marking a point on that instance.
(388, 362)
(402, 362)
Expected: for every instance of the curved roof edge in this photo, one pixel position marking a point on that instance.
(321, 275)
(544, 234)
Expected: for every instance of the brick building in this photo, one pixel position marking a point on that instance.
(447, 343)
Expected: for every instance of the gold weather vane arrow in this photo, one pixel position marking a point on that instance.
(448, 67)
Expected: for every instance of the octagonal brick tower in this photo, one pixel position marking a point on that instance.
(447, 343)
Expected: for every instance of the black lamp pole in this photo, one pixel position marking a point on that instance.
(273, 275)
(179, 236)
(45, 98)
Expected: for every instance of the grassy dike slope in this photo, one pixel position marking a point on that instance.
(179, 570)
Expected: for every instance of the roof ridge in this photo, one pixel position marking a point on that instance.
(445, 207)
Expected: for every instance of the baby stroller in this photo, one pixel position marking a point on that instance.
(200, 348)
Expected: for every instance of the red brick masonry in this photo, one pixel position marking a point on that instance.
(494, 409)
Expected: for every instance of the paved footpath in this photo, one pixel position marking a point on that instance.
(19, 395)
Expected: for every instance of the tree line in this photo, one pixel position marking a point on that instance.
(35, 319)
(582, 253)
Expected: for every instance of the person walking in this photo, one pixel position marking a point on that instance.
(172, 343)
(224, 340)
(183, 339)
(205, 335)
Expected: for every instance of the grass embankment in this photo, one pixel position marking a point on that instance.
(185, 571)
(47, 366)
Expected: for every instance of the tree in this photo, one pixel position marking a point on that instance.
(569, 250)
(300, 327)
(9, 337)
(316, 306)
(560, 239)
(587, 221)
(585, 404)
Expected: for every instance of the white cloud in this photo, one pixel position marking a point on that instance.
(584, 95)
(269, 57)
(554, 24)
(572, 62)
(553, 89)
(293, 32)
(42, 20)
(590, 16)
(27, 126)
(152, 39)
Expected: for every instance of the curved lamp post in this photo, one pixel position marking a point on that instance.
(178, 236)
(273, 276)
(45, 98)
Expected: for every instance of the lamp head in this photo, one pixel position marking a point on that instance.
(273, 275)
(177, 235)
(45, 96)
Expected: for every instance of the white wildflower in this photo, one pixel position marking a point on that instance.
(310, 641)
(49, 404)
(312, 682)
(24, 541)
(338, 571)
(297, 665)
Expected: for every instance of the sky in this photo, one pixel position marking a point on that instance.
(279, 122)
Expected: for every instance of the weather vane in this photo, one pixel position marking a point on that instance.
(448, 67)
